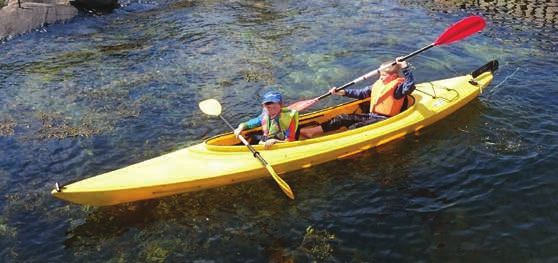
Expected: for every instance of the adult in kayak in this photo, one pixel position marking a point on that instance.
(278, 124)
(387, 98)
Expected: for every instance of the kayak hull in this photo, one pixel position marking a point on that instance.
(223, 160)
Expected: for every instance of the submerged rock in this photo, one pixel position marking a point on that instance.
(22, 16)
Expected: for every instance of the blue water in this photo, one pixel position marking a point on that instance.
(98, 93)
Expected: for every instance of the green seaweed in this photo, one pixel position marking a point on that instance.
(7, 231)
(152, 252)
(254, 75)
(7, 125)
(318, 244)
(54, 126)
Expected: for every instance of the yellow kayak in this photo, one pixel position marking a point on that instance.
(223, 159)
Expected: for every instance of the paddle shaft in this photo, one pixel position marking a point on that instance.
(256, 153)
(375, 72)
(284, 186)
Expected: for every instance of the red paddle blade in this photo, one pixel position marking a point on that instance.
(302, 105)
(461, 30)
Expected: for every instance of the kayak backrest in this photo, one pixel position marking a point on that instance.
(409, 101)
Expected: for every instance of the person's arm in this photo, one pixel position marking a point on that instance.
(252, 123)
(406, 87)
(353, 93)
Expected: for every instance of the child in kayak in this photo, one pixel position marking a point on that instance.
(278, 124)
(387, 99)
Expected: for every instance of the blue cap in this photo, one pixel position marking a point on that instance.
(272, 96)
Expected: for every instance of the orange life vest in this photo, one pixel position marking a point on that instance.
(382, 100)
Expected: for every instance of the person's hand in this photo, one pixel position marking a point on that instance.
(270, 142)
(238, 130)
(335, 92)
(402, 64)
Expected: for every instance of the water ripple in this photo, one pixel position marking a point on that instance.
(476, 186)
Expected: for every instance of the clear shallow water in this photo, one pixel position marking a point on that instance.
(99, 93)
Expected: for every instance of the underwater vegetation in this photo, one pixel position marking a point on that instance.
(7, 125)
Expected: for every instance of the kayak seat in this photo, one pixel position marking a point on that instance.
(365, 106)
(307, 124)
(409, 101)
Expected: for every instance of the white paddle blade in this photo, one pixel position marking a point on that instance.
(211, 107)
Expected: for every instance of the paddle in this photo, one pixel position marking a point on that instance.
(213, 107)
(457, 31)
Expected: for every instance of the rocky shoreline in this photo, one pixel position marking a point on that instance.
(17, 17)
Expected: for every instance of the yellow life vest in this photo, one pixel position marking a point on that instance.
(278, 128)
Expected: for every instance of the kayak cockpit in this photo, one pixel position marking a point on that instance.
(307, 120)
(439, 92)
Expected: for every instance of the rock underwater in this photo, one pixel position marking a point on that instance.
(17, 17)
